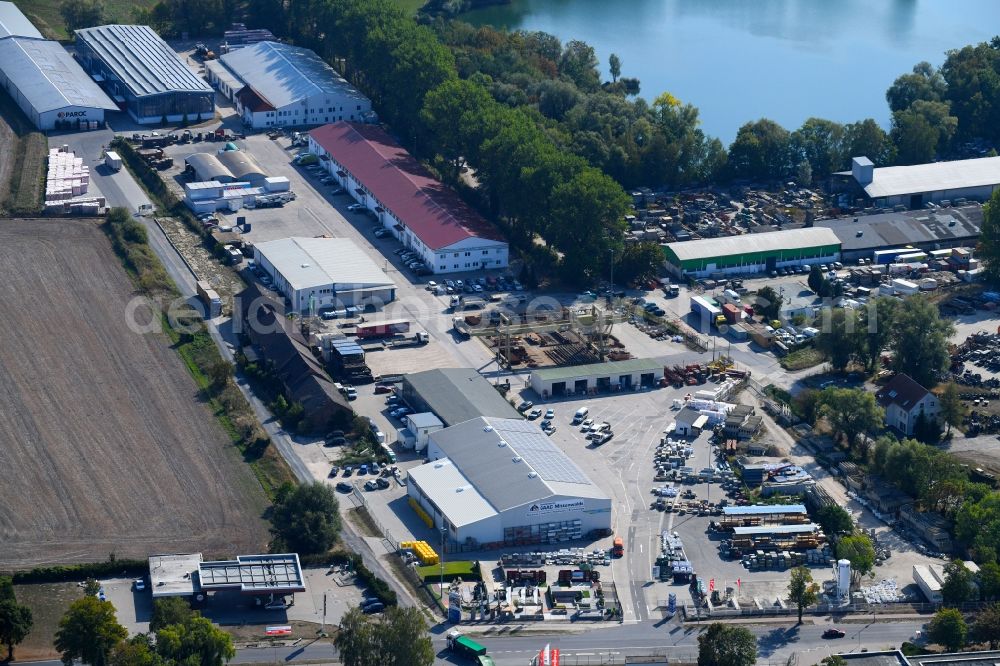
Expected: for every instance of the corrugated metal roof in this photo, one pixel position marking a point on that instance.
(48, 76)
(316, 262)
(763, 509)
(456, 496)
(432, 211)
(612, 368)
(143, 61)
(807, 528)
(457, 395)
(242, 165)
(207, 165)
(933, 177)
(13, 23)
(283, 74)
(511, 462)
(771, 241)
(909, 227)
(222, 73)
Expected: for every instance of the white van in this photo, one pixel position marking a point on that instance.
(580, 415)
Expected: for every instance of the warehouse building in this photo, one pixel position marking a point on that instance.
(13, 23)
(324, 273)
(936, 229)
(422, 213)
(596, 377)
(919, 184)
(226, 166)
(188, 575)
(141, 72)
(454, 395)
(751, 253)
(207, 167)
(50, 87)
(275, 84)
(502, 481)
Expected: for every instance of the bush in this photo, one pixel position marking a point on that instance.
(59, 574)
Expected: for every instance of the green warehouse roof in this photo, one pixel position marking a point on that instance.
(631, 365)
(772, 241)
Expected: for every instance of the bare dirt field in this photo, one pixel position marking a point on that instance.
(105, 445)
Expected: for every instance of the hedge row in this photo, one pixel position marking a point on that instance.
(74, 572)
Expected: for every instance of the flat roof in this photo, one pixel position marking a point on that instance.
(629, 366)
(173, 575)
(511, 462)
(763, 509)
(283, 74)
(222, 73)
(457, 395)
(428, 208)
(254, 574)
(933, 177)
(914, 227)
(449, 489)
(48, 76)
(769, 241)
(315, 262)
(13, 23)
(143, 61)
(777, 529)
(424, 420)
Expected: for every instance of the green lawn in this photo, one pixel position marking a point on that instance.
(45, 14)
(461, 568)
(800, 359)
(410, 6)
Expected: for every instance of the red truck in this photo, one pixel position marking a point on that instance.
(382, 329)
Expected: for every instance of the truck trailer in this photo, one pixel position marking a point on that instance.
(113, 161)
(382, 329)
(208, 296)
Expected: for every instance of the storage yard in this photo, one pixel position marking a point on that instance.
(106, 447)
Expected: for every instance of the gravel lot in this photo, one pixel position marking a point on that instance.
(105, 449)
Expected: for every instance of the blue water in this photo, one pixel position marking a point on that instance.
(738, 60)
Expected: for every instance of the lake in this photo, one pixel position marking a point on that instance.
(739, 60)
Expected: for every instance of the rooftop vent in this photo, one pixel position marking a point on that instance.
(488, 428)
(532, 475)
(501, 443)
(305, 265)
(516, 459)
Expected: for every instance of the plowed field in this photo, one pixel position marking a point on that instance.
(105, 445)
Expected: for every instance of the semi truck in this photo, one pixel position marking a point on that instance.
(464, 646)
(707, 311)
(461, 328)
(382, 329)
(208, 296)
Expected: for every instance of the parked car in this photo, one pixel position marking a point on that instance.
(376, 607)
(525, 406)
(585, 426)
(348, 470)
(550, 430)
(550, 414)
(534, 414)
(383, 388)
(355, 207)
(344, 487)
(382, 483)
(363, 469)
(139, 584)
(333, 471)
(371, 485)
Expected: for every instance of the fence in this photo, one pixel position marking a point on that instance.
(695, 612)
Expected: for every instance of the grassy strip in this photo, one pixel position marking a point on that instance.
(110, 567)
(466, 569)
(800, 359)
(28, 150)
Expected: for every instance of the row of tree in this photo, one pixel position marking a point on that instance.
(89, 631)
(911, 329)
(950, 629)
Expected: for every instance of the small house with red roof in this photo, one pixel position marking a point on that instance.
(426, 216)
(903, 400)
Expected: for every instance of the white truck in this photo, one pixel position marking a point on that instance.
(112, 160)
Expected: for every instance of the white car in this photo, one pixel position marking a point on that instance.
(585, 426)
(432, 285)
(355, 206)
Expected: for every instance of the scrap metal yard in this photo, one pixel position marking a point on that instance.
(106, 447)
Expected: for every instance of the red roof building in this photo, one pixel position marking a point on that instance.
(419, 210)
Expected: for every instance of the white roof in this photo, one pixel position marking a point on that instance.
(789, 239)
(48, 76)
(316, 262)
(283, 74)
(173, 575)
(451, 492)
(13, 23)
(222, 73)
(919, 178)
(424, 420)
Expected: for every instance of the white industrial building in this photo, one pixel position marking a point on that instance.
(44, 79)
(918, 184)
(211, 195)
(417, 431)
(418, 210)
(274, 84)
(596, 377)
(320, 273)
(503, 481)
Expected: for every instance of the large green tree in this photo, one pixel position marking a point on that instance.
(16, 622)
(834, 520)
(761, 151)
(841, 337)
(923, 83)
(88, 631)
(802, 590)
(821, 144)
(308, 520)
(858, 550)
(82, 14)
(768, 302)
(196, 641)
(726, 645)
(973, 77)
(866, 138)
(398, 637)
(877, 321)
(959, 583)
(986, 626)
(168, 611)
(989, 238)
(851, 412)
(919, 340)
(948, 628)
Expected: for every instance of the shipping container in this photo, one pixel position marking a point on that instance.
(381, 329)
(208, 296)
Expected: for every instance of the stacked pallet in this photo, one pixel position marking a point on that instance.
(67, 177)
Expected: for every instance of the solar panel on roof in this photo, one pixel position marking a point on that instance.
(542, 455)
